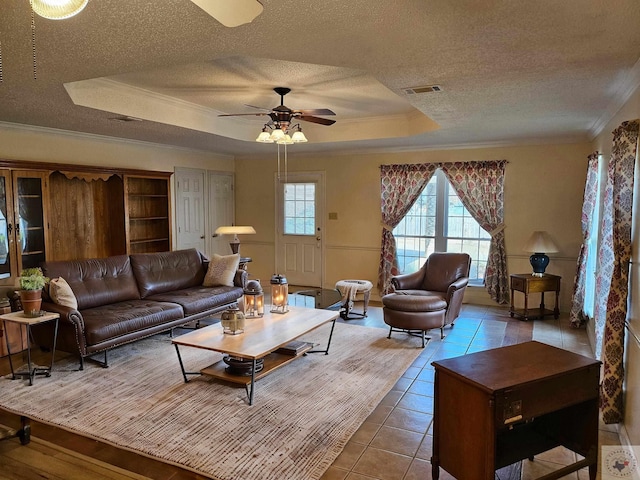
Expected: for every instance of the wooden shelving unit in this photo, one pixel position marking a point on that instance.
(148, 214)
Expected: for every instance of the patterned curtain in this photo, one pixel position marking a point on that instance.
(480, 186)
(401, 186)
(577, 315)
(612, 279)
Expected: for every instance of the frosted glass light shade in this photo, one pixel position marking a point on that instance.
(264, 137)
(298, 137)
(58, 9)
(286, 140)
(277, 134)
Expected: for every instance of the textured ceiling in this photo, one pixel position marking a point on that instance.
(510, 71)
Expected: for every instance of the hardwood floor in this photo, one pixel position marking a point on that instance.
(56, 454)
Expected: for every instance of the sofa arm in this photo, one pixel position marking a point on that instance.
(241, 278)
(71, 332)
(408, 281)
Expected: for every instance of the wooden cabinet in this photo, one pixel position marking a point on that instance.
(496, 407)
(65, 212)
(147, 208)
(24, 226)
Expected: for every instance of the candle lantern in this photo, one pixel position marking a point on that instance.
(253, 299)
(279, 294)
(232, 321)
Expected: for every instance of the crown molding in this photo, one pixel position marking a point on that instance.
(623, 93)
(24, 128)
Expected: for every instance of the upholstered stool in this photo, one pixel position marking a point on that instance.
(414, 314)
(349, 289)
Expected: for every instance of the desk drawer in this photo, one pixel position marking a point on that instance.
(533, 399)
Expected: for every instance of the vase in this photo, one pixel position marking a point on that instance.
(31, 301)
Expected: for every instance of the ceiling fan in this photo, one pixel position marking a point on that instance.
(282, 116)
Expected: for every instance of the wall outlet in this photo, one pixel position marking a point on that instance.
(333, 215)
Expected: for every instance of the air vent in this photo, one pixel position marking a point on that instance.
(423, 89)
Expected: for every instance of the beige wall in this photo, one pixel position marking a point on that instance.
(630, 429)
(544, 185)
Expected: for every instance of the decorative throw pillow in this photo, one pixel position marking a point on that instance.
(61, 293)
(222, 269)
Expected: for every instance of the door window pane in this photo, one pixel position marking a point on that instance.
(299, 209)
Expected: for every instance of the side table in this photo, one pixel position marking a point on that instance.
(22, 319)
(527, 283)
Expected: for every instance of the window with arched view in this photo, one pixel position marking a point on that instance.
(439, 222)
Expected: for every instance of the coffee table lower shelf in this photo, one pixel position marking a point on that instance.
(272, 362)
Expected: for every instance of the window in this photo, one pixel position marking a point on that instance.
(439, 222)
(299, 208)
(592, 246)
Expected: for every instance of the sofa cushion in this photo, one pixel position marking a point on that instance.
(200, 299)
(167, 271)
(221, 271)
(98, 281)
(62, 294)
(111, 321)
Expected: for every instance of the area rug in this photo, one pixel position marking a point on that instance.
(302, 417)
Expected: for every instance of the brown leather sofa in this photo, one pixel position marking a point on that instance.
(127, 297)
(429, 298)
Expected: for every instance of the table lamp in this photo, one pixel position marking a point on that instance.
(540, 243)
(235, 230)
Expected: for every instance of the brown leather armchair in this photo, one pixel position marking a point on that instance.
(429, 298)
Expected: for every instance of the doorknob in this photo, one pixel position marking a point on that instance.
(201, 237)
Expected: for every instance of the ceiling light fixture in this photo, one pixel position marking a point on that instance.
(58, 9)
(278, 133)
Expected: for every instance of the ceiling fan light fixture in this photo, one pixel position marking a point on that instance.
(286, 140)
(264, 137)
(298, 137)
(58, 9)
(277, 135)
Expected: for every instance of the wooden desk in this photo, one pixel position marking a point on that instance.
(500, 406)
(527, 283)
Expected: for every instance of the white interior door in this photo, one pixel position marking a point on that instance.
(299, 239)
(221, 211)
(190, 205)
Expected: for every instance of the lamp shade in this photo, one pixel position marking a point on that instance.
(298, 137)
(235, 230)
(58, 9)
(264, 137)
(540, 242)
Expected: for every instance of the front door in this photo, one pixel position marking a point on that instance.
(299, 246)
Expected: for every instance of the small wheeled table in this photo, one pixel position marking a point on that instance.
(22, 319)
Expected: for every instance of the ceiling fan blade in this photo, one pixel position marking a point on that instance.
(321, 121)
(316, 111)
(231, 13)
(243, 114)
(259, 108)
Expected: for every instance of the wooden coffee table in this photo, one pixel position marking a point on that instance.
(260, 340)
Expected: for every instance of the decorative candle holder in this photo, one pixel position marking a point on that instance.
(279, 294)
(253, 299)
(232, 321)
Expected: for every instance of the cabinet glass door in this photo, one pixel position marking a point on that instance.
(6, 225)
(30, 227)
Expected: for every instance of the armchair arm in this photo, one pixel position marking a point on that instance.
(457, 285)
(408, 281)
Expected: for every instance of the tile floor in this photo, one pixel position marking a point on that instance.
(394, 443)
